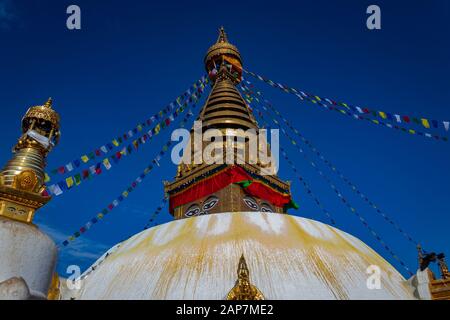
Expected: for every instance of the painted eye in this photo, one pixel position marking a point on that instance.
(193, 210)
(251, 203)
(210, 203)
(266, 208)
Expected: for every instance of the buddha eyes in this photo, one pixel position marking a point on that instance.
(266, 208)
(251, 203)
(210, 203)
(193, 210)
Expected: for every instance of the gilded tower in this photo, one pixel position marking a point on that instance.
(28, 256)
(22, 179)
(242, 181)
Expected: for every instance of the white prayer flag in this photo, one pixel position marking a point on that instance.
(55, 189)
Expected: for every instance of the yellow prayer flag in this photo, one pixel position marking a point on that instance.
(425, 123)
(382, 114)
(106, 163)
(85, 158)
(115, 142)
(69, 182)
(412, 131)
(47, 178)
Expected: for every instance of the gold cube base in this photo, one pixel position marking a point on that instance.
(20, 205)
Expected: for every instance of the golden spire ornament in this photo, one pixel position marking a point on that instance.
(22, 180)
(222, 35)
(244, 290)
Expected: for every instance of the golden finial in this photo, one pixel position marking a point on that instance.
(222, 35)
(243, 269)
(445, 273)
(49, 103)
(244, 290)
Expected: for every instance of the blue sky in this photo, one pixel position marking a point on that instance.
(129, 61)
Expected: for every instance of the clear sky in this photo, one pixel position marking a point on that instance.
(132, 58)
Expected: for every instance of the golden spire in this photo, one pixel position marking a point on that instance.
(222, 35)
(243, 289)
(225, 110)
(225, 107)
(49, 103)
(22, 180)
(223, 53)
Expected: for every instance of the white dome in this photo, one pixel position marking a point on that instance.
(197, 258)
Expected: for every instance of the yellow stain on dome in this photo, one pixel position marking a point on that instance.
(195, 258)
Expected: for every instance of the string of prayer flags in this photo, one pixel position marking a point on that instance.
(333, 168)
(64, 185)
(339, 194)
(125, 193)
(362, 113)
(151, 222)
(181, 101)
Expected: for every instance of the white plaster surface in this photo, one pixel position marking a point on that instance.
(28, 253)
(196, 258)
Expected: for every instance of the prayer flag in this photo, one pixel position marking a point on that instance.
(425, 123)
(69, 182)
(69, 167)
(106, 163)
(55, 189)
(77, 179)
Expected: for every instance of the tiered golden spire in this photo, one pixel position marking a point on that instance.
(22, 179)
(226, 111)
